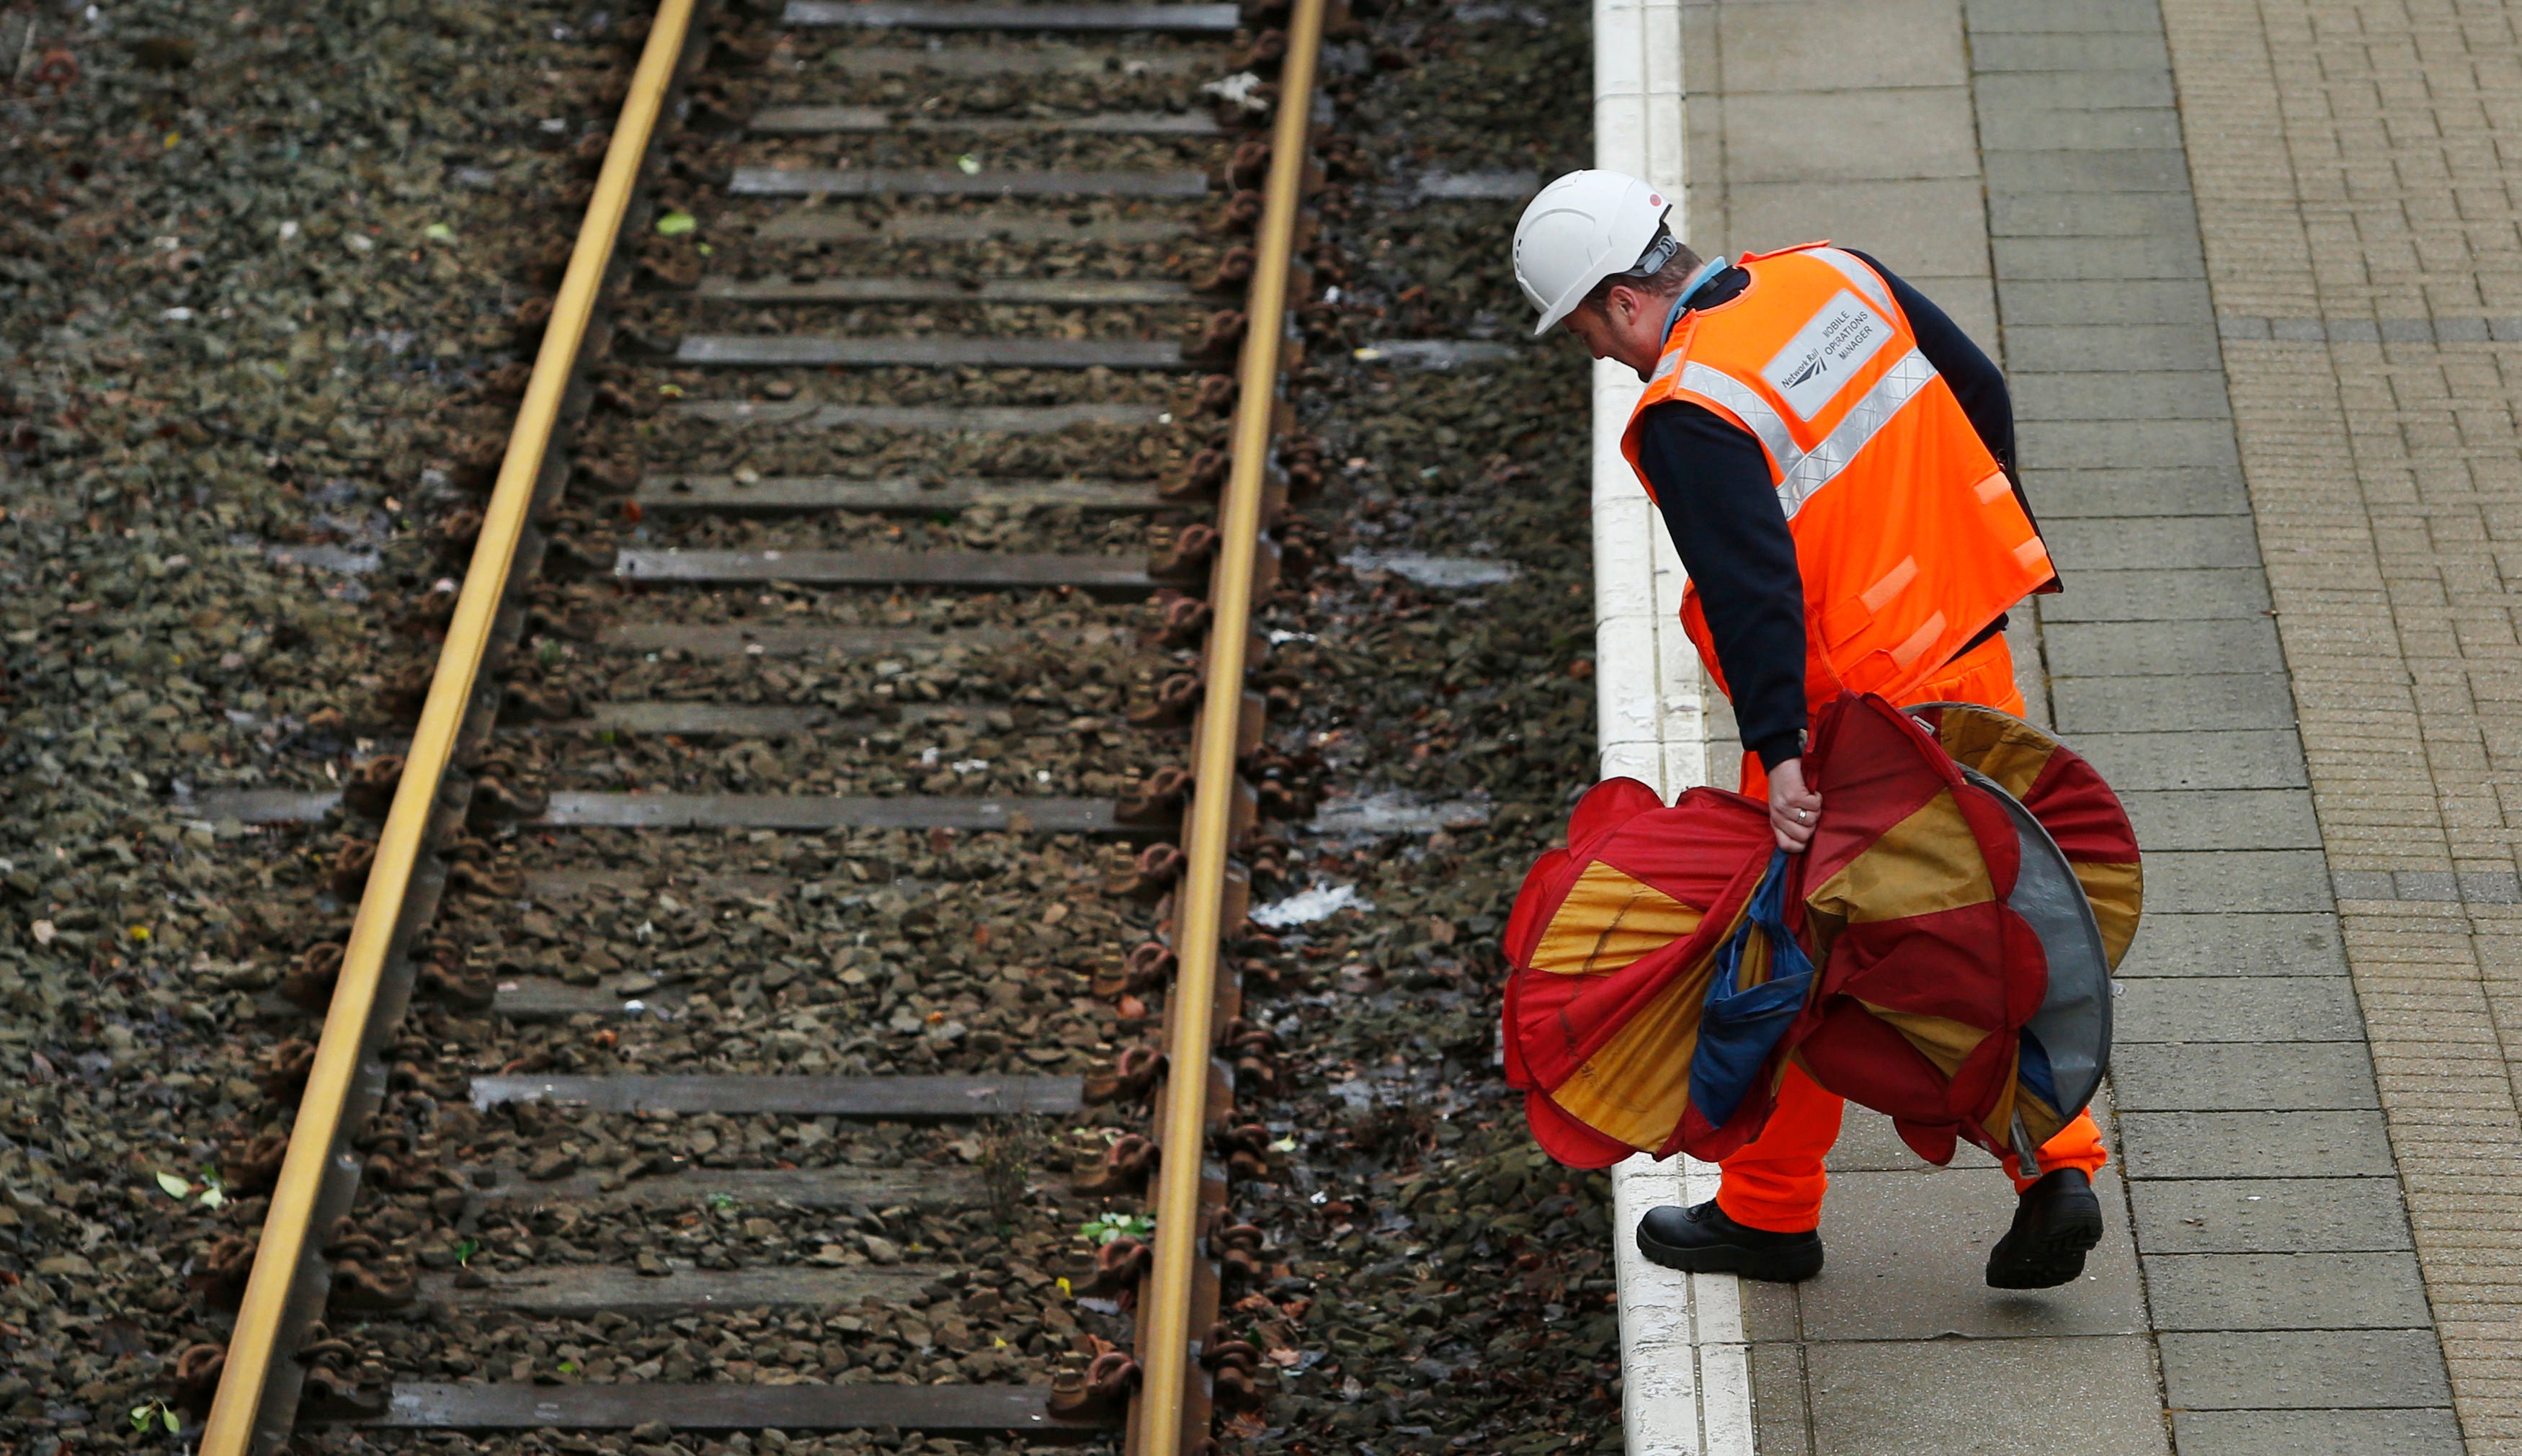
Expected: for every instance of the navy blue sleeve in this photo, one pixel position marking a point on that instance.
(1712, 482)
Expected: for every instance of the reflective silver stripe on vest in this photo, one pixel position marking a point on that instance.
(1748, 408)
(1803, 472)
(1867, 283)
(1860, 424)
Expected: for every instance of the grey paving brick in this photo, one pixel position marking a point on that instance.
(1780, 1414)
(2304, 1370)
(2250, 758)
(2490, 887)
(2309, 1076)
(2148, 394)
(2171, 595)
(2156, 170)
(1869, 1144)
(2136, 649)
(2420, 1432)
(2236, 1009)
(1769, 1310)
(2046, 18)
(1888, 133)
(2090, 260)
(2363, 884)
(2157, 547)
(2088, 347)
(1858, 46)
(2438, 885)
(2220, 944)
(2069, 493)
(2157, 1145)
(1908, 1251)
(2035, 302)
(2422, 884)
(2127, 444)
(1911, 1398)
(2021, 52)
(2224, 819)
(1920, 229)
(2086, 215)
(2287, 1291)
(2228, 880)
(2070, 124)
(2268, 1215)
(1970, 302)
(2003, 96)
(2216, 701)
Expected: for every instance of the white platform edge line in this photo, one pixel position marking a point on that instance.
(1686, 1386)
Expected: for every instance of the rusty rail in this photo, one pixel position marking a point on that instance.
(236, 1427)
(1166, 1396)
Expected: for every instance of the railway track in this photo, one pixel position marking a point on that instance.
(928, 449)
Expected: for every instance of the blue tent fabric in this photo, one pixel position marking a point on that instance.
(1740, 1026)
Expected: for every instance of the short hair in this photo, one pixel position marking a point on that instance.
(1661, 279)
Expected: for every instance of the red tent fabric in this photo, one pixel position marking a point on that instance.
(1925, 976)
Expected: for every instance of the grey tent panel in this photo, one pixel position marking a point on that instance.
(2073, 1024)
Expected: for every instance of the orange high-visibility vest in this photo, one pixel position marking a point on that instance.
(1907, 534)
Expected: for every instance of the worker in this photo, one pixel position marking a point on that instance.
(1833, 458)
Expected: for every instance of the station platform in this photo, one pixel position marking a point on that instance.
(2255, 273)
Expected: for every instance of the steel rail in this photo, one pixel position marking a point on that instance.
(260, 1318)
(1159, 1420)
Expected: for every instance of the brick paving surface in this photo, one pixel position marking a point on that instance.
(2357, 169)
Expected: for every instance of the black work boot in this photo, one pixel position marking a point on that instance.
(1703, 1241)
(2055, 1221)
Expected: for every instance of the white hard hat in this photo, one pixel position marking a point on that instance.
(1580, 230)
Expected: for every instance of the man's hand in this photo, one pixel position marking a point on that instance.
(1793, 810)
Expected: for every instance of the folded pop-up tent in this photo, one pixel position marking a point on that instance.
(1941, 952)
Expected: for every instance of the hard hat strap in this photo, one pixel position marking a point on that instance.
(1657, 253)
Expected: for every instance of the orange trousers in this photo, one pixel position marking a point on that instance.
(1776, 1182)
